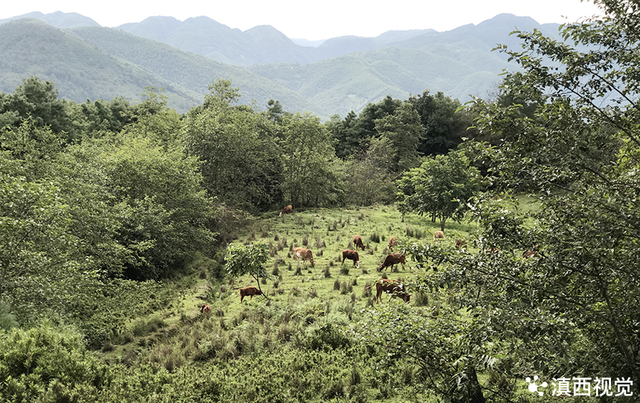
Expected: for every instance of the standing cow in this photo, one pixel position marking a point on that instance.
(394, 287)
(249, 292)
(438, 235)
(393, 259)
(351, 255)
(357, 242)
(392, 242)
(286, 210)
(304, 254)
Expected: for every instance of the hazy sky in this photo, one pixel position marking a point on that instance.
(314, 20)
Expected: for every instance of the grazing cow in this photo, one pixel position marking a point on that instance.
(286, 210)
(205, 309)
(393, 259)
(530, 252)
(304, 254)
(461, 243)
(392, 242)
(438, 235)
(357, 242)
(250, 292)
(393, 287)
(351, 255)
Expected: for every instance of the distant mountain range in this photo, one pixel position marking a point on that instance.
(87, 61)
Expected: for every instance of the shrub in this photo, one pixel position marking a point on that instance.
(7, 319)
(48, 361)
(326, 272)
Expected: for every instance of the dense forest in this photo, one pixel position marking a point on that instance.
(121, 222)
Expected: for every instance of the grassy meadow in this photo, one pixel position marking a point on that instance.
(287, 347)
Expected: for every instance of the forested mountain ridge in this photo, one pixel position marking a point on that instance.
(79, 70)
(341, 75)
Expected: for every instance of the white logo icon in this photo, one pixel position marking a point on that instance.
(533, 388)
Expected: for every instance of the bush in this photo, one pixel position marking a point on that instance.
(48, 363)
(7, 319)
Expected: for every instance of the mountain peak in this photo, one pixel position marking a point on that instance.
(58, 19)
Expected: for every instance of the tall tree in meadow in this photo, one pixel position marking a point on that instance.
(441, 187)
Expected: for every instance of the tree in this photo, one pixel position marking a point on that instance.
(403, 129)
(572, 309)
(446, 348)
(441, 187)
(163, 208)
(444, 122)
(348, 140)
(370, 179)
(152, 118)
(242, 163)
(38, 101)
(247, 259)
(311, 175)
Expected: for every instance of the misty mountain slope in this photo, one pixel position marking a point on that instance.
(80, 71)
(207, 37)
(95, 62)
(484, 36)
(58, 19)
(349, 82)
(192, 71)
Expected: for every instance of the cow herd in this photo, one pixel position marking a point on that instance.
(394, 287)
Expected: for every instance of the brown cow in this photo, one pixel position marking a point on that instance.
(250, 292)
(357, 242)
(530, 253)
(438, 235)
(205, 309)
(393, 287)
(304, 254)
(286, 210)
(461, 243)
(393, 259)
(351, 255)
(392, 242)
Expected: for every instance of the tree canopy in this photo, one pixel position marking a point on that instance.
(571, 307)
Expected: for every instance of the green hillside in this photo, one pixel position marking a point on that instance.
(93, 62)
(79, 70)
(351, 82)
(190, 70)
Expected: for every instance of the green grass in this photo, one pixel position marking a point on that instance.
(291, 321)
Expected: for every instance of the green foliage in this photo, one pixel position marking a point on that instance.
(444, 122)
(247, 259)
(575, 140)
(37, 101)
(370, 179)
(440, 187)
(48, 363)
(7, 319)
(404, 130)
(311, 175)
(241, 161)
(446, 349)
